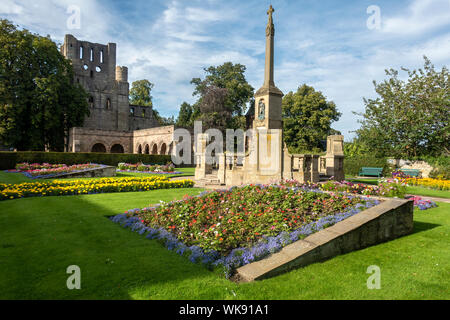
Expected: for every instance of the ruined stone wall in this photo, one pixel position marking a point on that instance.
(91, 140)
(107, 84)
(154, 141)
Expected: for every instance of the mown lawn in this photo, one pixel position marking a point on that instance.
(8, 177)
(41, 237)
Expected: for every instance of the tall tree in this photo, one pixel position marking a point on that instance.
(409, 118)
(231, 79)
(186, 115)
(39, 100)
(307, 117)
(140, 93)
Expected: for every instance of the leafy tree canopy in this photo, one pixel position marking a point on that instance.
(409, 118)
(39, 101)
(307, 117)
(227, 91)
(140, 93)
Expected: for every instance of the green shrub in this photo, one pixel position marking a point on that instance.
(352, 165)
(8, 160)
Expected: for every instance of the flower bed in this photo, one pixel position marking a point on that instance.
(437, 184)
(241, 225)
(88, 186)
(423, 204)
(385, 187)
(46, 170)
(144, 168)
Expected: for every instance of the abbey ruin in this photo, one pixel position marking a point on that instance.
(113, 126)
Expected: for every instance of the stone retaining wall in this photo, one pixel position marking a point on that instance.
(390, 219)
(106, 171)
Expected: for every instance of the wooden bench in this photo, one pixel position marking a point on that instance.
(368, 171)
(411, 172)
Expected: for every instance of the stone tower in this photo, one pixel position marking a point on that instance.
(107, 84)
(268, 98)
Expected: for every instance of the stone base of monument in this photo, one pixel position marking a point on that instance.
(101, 172)
(391, 219)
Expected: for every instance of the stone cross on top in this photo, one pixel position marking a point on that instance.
(271, 10)
(270, 27)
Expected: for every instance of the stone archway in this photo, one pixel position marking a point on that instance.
(99, 148)
(163, 149)
(147, 149)
(139, 149)
(155, 149)
(117, 148)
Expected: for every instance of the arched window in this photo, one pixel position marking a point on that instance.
(147, 149)
(117, 148)
(163, 149)
(98, 147)
(139, 149)
(91, 55)
(108, 104)
(155, 149)
(101, 56)
(91, 101)
(81, 52)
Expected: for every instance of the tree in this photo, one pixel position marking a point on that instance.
(229, 77)
(140, 93)
(213, 112)
(307, 117)
(409, 118)
(186, 115)
(39, 101)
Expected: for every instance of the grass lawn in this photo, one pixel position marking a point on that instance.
(41, 237)
(421, 191)
(8, 177)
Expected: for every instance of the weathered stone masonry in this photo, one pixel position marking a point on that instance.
(113, 123)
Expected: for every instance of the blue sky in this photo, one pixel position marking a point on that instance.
(325, 44)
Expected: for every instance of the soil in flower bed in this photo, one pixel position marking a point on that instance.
(240, 217)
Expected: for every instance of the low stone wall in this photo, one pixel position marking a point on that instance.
(106, 171)
(424, 167)
(390, 219)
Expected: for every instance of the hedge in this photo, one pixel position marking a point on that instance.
(352, 165)
(8, 160)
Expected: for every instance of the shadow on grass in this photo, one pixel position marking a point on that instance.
(41, 237)
(423, 226)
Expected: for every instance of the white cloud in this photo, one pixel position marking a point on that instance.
(10, 7)
(421, 16)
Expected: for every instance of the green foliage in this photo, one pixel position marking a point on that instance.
(231, 100)
(355, 148)
(352, 165)
(39, 101)
(307, 117)
(185, 116)
(8, 160)
(409, 118)
(140, 93)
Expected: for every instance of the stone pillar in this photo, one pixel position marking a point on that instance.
(314, 168)
(200, 169)
(335, 157)
(287, 164)
(222, 169)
